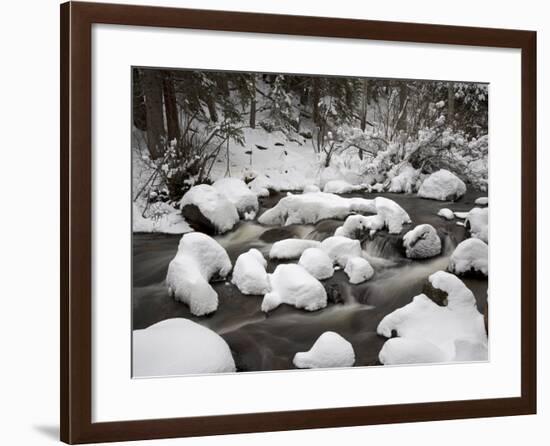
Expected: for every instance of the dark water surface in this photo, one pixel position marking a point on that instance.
(262, 341)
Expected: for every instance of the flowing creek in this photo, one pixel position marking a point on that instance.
(262, 341)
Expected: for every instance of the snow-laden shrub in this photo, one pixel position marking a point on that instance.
(329, 350)
(404, 179)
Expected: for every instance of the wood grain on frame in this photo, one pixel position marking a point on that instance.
(76, 221)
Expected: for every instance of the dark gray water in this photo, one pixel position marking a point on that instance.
(269, 342)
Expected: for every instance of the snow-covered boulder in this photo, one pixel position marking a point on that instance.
(179, 347)
(291, 284)
(446, 213)
(260, 186)
(204, 206)
(291, 248)
(311, 188)
(238, 193)
(410, 351)
(356, 226)
(313, 207)
(394, 216)
(317, 262)
(199, 258)
(341, 249)
(249, 274)
(478, 222)
(358, 270)
(329, 350)
(405, 181)
(482, 201)
(471, 255)
(424, 320)
(340, 187)
(422, 242)
(442, 185)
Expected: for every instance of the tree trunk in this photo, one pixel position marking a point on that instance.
(402, 117)
(253, 103)
(152, 89)
(451, 103)
(139, 112)
(315, 97)
(170, 107)
(364, 104)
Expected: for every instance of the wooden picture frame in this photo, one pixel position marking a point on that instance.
(76, 221)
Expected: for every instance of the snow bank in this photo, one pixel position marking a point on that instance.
(447, 214)
(291, 284)
(341, 249)
(470, 255)
(341, 187)
(358, 270)
(442, 185)
(291, 248)
(313, 207)
(422, 242)
(329, 350)
(424, 321)
(159, 217)
(238, 193)
(405, 181)
(482, 201)
(249, 274)
(355, 226)
(478, 220)
(410, 351)
(317, 262)
(311, 188)
(177, 347)
(393, 215)
(198, 259)
(213, 205)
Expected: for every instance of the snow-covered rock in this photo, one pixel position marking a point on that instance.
(378, 187)
(340, 187)
(470, 255)
(394, 216)
(424, 321)
(260, 186)
(249, 274)
(410, 351)
(442, 185)
(213, 206)
(356, 226)
(446, 213)
(478, 222)
(313, 207)
(341, 249)
(405, 181)
(198, 259)
(178, 347)
(291, 248)
(311, 188)
(482, 201)
(160, 218)
(358, 270)
(317, 262)
(291, 284)
(461, 215)
(238, 193)
(422, 242)
(329, 350)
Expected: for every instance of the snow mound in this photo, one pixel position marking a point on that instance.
(213, 205)
(317, 263)
(313, 207)
(424, 321)
(393, 215)
(198, 259)
(355, 226)
(405, 181)
(329, 350)
(470, 255)
(341, 249)
(340, 187)
(160, 218)
(410, 351)
(461, 215)
(178, 347)
(446, 213)
(482, 201)
(291, 284)
(260, 186)
(358, 270)
(478, 220)
(238, 193)
(249, 274)
(442, 185)
(422, 242)
(311, 188)
(291, 248)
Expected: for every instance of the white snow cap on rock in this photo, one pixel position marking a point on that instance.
(394, 216)
(341, 249)
(213, 205)
(179, 347)
(442, 185)
(470, 255)
(249, 274)
(422, 242)
(358, 270)
(329, 350)
(291, 284)
(317, 262)
(198, 259)
(446, 213)
(482, 201)
(341, 187)
(478, 219)
(410, 351)
(238, 193)
(260, 186)
(356, 225)
(424, 321)
(291, 248)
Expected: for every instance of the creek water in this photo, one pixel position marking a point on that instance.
(262, 341)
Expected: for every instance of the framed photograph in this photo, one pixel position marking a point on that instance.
(278, 222)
